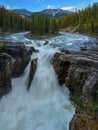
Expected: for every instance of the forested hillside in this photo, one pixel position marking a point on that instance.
(43, 24)
(39, 25)
(84, 21)
(10, 21)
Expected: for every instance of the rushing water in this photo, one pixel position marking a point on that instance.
(46, 106)
(65, 40)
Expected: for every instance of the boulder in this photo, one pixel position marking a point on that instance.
(32, 71)
(46, 42)
(6, 70)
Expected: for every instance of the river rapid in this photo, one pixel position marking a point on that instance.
(46, 106)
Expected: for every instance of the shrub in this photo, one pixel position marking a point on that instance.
(3, 47)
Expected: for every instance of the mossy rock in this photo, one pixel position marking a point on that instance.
(95, 126)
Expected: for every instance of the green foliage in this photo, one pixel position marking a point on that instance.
(42, 24)
(10, 21)
(3, 47)
(86, 20)
(75, 98)
(90, 105)
(39, 24)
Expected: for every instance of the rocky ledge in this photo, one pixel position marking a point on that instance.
(79, 72)
(14, 57)
(20, 53)
(6, 69)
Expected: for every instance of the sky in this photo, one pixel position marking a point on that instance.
(38, 5)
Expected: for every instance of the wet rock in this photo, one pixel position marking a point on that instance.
(6, 69)
(33, 49)
(21, 56)
(83, 48)
(20, 53)
(80, 75)
(75, 70)
(46, 43)
(32, 71)
(61, 67)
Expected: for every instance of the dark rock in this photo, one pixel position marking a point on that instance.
(78, 70)
(80, 75)
(32, 71)
(83, 48)
(6, 69)
(21, 54)
(61, 68)
(33, 49)
(46, 42)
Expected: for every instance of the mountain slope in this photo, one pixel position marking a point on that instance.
(58, 13)
(23, 12)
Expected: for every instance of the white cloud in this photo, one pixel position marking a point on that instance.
(51, 7)
(68, 8)
(8, 7)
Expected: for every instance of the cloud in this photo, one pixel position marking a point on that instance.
(51, 7)
(70, 8)
(8, 7)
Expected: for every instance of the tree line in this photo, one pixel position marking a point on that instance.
(10, 21)
(43, 24)
(39, 25)
(84, 21)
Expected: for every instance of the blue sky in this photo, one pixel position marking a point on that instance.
(38, 5)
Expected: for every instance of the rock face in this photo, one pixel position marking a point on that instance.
(77, 70)
(6, 69)
(32, 71)
(12, 67)
(84, 121)
(20, 53)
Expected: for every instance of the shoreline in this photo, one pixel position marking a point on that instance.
(41, 37)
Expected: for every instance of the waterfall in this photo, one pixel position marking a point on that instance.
(46, 106)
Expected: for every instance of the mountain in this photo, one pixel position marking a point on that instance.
(58, 13)
(23, 12)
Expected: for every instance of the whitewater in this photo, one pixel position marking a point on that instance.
(46, 106)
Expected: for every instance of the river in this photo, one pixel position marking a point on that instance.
(46, 106)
